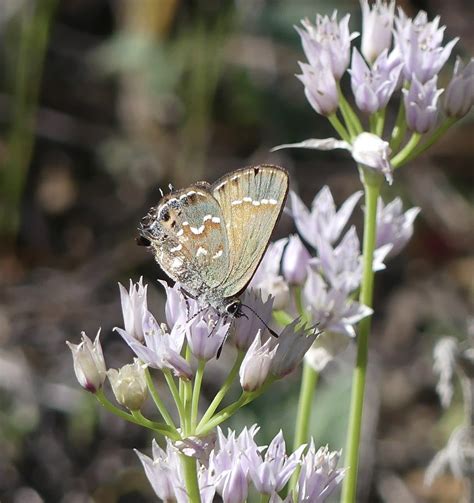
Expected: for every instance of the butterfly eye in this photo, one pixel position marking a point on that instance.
(233, 307)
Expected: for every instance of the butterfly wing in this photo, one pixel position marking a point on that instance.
(251, 200)
(187, 232)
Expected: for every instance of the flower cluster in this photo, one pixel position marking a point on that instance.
(397, 53)
(237, 464)
(318, 281)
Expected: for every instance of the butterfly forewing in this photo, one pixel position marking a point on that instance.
(190, 238)
(251, 201)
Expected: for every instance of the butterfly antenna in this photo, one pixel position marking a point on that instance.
(262, 320)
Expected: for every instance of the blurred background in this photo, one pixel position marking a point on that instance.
(104, 101)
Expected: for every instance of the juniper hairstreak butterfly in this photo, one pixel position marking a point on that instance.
(211, 238)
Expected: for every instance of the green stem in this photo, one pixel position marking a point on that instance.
(191, 479)
(405, 152)
(264, 498)
(197, 392)
(186, 392)
(349, 489)
(245, 398)
(27, 68)
(437, 133)
(136, 417)
(350, 117)
(223, 391)
(339, 127)
(378, 122)
(175, 394)
(399, 129)
(303, 415)
(282, 317)
(158, 401)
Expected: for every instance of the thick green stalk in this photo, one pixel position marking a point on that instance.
(158, 401)
(190, 478)
(303, 415)
(372, 190)
(223, 391)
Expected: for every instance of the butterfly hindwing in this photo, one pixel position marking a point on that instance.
(189, 238)
(251, 201)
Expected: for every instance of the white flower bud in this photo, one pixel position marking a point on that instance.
(129, 384)
(89, 364)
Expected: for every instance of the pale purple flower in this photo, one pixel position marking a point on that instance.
(319, 475)
(256, 364)
(295, 261)
(320, 88)
(323, 219)
(373, 152)
(373, 87)
(394, 227)
(160, 349)
(205, 335)
(267, 277)
(89, 364)
(163, 471)
(271, 472)
(247, 326)
(421, 104)
(165, 474)
(292, 345)
(333, 309)
(129, 384)
(228, 451)
(235, 486)
(327, 43)
(177, 307)
(419, 42)
(377, 24)
(134, 307)
(459, 95)
(342, 265)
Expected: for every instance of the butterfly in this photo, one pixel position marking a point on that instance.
(211, 238)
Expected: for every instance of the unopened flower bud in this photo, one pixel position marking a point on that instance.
(320, 88)
(421, 104)
(295, 261)
(89, 364)
(459, 95)
(256, 364)
(129, 384)
(377, 24)
(292, 345)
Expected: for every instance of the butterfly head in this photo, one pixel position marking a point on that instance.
(234, 308)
